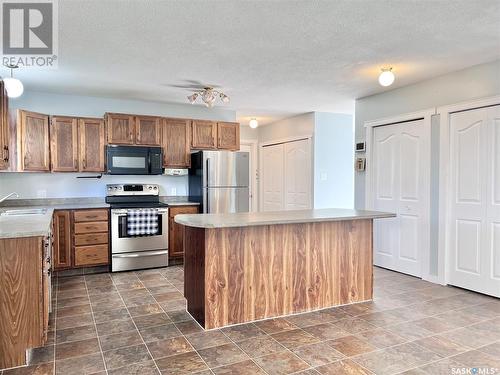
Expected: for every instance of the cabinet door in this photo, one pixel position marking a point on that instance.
(62, 239)
(204, 135)
(176, 231)
(120, 128)
(228, 136)
(64, 144)
(4, 128)
(34, 141)
(147, 130)
(92, 142)
(175, 143)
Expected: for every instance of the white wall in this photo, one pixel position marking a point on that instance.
(248, 134)
(333, 160)
(33, 185)
(472, 83)
(297, 126)
(93, 106)
(66, 185)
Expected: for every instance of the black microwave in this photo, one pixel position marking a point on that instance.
(134, 160)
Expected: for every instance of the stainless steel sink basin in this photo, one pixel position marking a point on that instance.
(24, 212)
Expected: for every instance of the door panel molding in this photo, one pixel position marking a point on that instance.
(447, 196)
(407, 205)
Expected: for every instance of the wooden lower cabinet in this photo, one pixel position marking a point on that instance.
(24, 298)
(176, 231)
(61, 249)
(81, 238)
(91, 255)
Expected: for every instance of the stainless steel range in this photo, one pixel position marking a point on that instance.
(131, 251)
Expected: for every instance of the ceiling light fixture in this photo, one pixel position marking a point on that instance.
(208, 96)
(253, 123)
(13, 86)
(386, 78)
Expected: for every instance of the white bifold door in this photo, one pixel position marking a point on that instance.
(400, 184)
(474, 225)
(286, 176)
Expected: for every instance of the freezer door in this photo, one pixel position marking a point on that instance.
(225, 200)
(226, 168)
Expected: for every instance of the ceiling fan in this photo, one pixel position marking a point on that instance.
(207, 93)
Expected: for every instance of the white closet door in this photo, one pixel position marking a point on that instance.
(401, 185)
(475, 203)
(297, 175)
(272, 178)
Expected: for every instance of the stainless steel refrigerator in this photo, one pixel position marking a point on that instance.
(219, 181)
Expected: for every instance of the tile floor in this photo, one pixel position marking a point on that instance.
(136, 323)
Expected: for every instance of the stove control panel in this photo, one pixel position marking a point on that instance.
(132, 189)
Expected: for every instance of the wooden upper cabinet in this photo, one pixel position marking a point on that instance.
(147, 130)
(204, 134)
(61, 250)
(34, 144)
(92, 142)
(175, 136)
(64, 144)
(228, 136)
(4, 128)
(120, 128)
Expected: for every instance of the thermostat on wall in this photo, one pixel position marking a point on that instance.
(360, 146)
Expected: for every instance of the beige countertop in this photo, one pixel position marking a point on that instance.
(13, 226)
(25, 225)
(276, 217)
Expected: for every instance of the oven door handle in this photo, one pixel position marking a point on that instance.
(142, 254)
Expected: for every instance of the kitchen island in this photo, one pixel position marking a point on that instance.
(249, 266)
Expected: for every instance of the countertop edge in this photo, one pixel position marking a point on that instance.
(184, 220)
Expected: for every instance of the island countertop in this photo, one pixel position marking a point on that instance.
(247, 219)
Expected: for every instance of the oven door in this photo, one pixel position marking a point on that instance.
(122, 243)
(125, 160)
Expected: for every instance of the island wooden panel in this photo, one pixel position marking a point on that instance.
(21, 299)
(258, 272)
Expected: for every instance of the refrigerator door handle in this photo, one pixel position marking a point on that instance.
(207, 176)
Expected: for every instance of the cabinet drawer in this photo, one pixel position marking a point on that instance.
(91, 255)
(91, 227)
(91, 239)
(91, 215)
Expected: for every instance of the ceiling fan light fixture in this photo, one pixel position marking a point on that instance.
(208, 96)
(253, 123)
(386, 77)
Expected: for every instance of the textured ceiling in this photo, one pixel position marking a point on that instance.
(273, 58)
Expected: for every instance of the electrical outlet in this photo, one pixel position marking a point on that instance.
(323, 176)
(41, 193)
(173, 191)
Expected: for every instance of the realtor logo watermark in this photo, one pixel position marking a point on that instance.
(29, 33)
(474, 371)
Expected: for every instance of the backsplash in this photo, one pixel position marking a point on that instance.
(66, 185)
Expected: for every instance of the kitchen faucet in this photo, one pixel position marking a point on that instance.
(8, 196)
